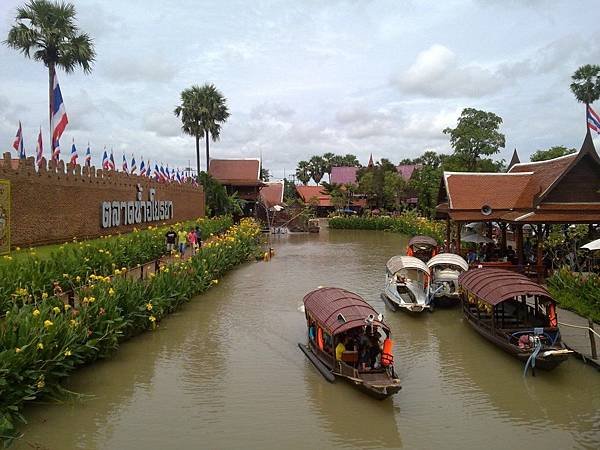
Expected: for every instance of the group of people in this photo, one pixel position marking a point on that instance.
(183, 239)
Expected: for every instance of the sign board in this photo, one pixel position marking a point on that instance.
(116, 213)
(4, 216)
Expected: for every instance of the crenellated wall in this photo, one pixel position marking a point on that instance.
(59, 202)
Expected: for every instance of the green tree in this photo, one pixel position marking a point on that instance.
(329, 159)
(551, 153)
(46, 31)
(586, 84)
(477, 134)
(303, 172)
(289, 191)
(317, 167)
(349, 160)
(203, 110)
(264, 174)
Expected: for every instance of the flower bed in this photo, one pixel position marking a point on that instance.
(43, 341)
(575, 292)
(26, 279)
(408, 223)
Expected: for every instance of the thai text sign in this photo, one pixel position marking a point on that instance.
(117, 213)
(4, 216)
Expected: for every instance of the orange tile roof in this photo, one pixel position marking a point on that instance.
(272, 193)
(235, 171)
(308, 192)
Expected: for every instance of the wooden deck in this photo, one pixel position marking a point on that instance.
(578, 339)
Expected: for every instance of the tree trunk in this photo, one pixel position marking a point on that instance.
(207, 151)
(51, 71)
(198, 158)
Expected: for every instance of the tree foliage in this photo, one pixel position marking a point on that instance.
(218, 202)
(586, 83)
(264, 174)
(317, 167)
(476, 134)
(551, 153)
(303, 172)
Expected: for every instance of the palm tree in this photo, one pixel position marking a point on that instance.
(303, 172)
(586, 84)
(317, 168)
(46, 31)
(203, 109)
(329, 159)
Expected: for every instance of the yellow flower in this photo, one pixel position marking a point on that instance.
(117, 272)
(111, 291)
(67, 307)
(44, 295)
(47, 324)
(17, 350)
(93, 299)
(56, 309)
(215, 281)
(78, 278)
(8, 258)
(40, 346)
(17, 248)
(68, 352)
(65, 275)
(73, 322)
(36, 312)
(41, 383)
(149, 306)
(152, 319)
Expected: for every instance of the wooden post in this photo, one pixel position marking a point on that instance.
(592, 339)
(519, 239)
(448, 234)
(458, 249)
(503, 238)
(490, 230)
(540, 254)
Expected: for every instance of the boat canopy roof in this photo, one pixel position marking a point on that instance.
(495, 286)
(422, 240)
(397, 263)
(448, 259)
(339, 310)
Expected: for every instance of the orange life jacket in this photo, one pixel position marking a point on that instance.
(552, 315)
(320, 338)
(409, 251)
(387, 359)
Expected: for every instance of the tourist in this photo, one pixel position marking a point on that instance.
(191, 239)
(181, 238)
(339, 350)
(198, 237)
(471, 256)
(510, 254)
(171, 240)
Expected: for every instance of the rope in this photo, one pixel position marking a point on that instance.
(533, 356)
(579, 326)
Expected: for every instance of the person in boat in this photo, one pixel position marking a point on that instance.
(340, 349)
(312, 332)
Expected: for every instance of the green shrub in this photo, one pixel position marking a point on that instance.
(576, 292)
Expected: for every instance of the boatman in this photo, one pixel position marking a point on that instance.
(339, 349)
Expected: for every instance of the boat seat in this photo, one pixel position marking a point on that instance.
(350, 356)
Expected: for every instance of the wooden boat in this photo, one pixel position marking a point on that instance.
(335, 315)
(313, 226)
(516, 314)
(407, 284)
(422, 247)
(445, 269)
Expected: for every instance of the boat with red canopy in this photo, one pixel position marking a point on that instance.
(422, 247)
(514, 313)
(348, 339)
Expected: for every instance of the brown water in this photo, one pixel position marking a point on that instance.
(225, 372)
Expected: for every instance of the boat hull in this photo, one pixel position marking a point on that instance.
(396, 304)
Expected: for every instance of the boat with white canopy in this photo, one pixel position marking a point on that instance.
(407, 284)
(445, 269)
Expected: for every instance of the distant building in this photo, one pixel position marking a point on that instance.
(316, 196)
(272, 194)
(406, 171)
(241, 176)
(343, 175)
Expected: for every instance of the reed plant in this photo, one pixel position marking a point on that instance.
(576, 292)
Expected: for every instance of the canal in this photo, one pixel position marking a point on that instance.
(226, 372)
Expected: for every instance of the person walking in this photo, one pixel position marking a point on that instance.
(181, 238)
(198, 237)
(191, 238)
(170, 239)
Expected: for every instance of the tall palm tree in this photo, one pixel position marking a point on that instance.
(329, 158)
(586, 84)
(303, 172)
(203, 109)
(317, 168)
(46, 31)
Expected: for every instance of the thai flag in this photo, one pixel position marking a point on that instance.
(74, 155)
(59, 119)
(111, 161)
(105, 163)
(162, 173)
(178, 177)
(124, 165)
(142, 168)
(39, 149)
(88, 156)
(133, 165)
(157, 174)
(18, 143)
(593, 120)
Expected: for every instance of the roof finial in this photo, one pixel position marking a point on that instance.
(514, 160)
(370, 161)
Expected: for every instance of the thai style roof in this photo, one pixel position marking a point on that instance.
(272, 193)
(236, 172)
(495, 286)
(422, 240)
(343, 175)
(448, 259)
(561, 190)
(397, 263)
(307, 193)
(406, 170)
(514, 160)
(339, 310)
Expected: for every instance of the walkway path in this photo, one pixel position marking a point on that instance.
(578, 339)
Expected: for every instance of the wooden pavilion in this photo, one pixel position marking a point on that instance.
(563, 190)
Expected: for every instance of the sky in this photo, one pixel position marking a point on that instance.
(308, 77)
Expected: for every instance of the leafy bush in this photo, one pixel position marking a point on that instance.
(576, 292)
(408, 222)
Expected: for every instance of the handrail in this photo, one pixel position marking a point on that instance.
(579, 326)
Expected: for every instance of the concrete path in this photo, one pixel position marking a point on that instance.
(578, 339)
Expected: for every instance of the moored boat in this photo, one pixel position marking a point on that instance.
(445, 269)
(422, 247)
(348, 339)
(407, 284)
(516, 314)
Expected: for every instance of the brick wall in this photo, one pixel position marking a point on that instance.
(60, 202)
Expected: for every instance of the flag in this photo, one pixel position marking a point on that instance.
(18, 143)
(111, 161)
(178, 177)
(162, 174)
(593, 120)
(133, 165)
(73, 160)
(59, 119)
(88, 156)
(105, 163)
(39, 150)
(124, 165)
(156, 172)
(142, 168)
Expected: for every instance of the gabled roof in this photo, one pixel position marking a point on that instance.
(272, 193)
(343, 175)
(236, 171)
(406, 170)
(514, 160)
(306, 193)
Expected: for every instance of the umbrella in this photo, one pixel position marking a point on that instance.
(475, 238)
(594, 245)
